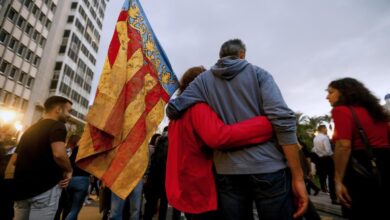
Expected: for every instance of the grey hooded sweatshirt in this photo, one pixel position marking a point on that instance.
(237, 90)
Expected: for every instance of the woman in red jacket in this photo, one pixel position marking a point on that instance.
(190, 184)
(366, 198)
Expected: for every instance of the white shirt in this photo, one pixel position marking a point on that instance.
(322, 145)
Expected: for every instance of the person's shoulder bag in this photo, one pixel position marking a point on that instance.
(365, 170)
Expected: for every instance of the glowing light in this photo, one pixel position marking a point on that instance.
(7, 116)
(18, 126)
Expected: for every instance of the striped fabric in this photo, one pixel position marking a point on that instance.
(136, 82)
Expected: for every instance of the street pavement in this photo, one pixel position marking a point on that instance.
(322, 202)
(325, 208)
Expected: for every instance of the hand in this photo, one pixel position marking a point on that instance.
(342, 194)
(301, 197)
(66, 179)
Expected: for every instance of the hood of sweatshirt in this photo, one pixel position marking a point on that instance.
(228, 67)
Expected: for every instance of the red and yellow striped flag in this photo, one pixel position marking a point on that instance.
(136, 82)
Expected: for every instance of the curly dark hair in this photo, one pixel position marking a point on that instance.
(353, 92)
(189, 76)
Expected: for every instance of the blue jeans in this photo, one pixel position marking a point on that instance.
(77, 190)
(271, 192)
(42, 206)
(117, 204)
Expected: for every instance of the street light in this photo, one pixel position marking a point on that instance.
(7, 116)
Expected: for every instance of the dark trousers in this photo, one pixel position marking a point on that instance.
(152, 198)
(369, 200)
(311, 212)
(271, 193)
(63, 208)
(310, 185)
(6, 201)
(325, 171)
(212, 215)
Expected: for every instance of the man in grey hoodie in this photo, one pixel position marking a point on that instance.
(238, 90)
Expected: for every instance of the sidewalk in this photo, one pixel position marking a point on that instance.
(323, 203)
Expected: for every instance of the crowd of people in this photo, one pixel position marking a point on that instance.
(231, 146)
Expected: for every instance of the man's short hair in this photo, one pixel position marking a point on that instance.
(320, 127)
(54, 101)
(232, 48)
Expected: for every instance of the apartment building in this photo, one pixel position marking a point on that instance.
(24, 30)
(49, 47)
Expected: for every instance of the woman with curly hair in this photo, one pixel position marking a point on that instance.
(354, 104)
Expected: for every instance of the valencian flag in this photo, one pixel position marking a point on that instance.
(136, 82)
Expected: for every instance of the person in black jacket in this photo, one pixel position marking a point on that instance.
(6, 201)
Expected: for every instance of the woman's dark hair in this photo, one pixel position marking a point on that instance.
(189, 76)
(153, 140)
(353, 92)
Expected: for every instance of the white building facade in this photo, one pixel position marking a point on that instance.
(49, 47)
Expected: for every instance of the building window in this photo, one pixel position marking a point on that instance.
(28, 55)
(35, 35)
(36, 61)
(12, 15)
(74, 48)
(22, 76)
(28, 29)
(79, 26)
(3, 67)
(73, 112)
(42, 41)
(74, 5)
(93, 13)
(21, 50)
(53, 7)
(70, 19)
(20, 23)
(12, 44)
(92, 59)
(99, 23)
(87, 87)
(35, 10)
(48, 24)
(68, 72)
(65, 89)
(42, 18)
(13, 73)
(86, 2)
(82, 12)
(58, 66)
(66, 33)
(62, 49)
(84, 50)
(3, 36)
(30, 82)
(53, 84)
(27, 3)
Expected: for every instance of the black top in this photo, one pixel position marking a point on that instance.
(3, 160)
(76, 170)
(35, 169)
(158, 162)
